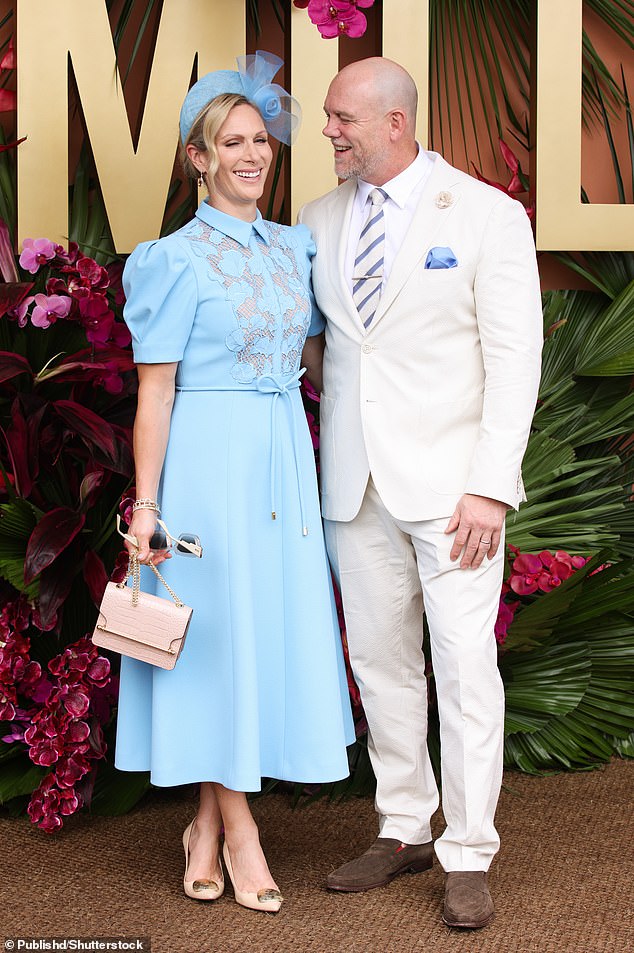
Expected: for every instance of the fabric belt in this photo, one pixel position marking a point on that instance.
(277, 386)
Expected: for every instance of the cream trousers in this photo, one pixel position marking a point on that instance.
(385, 568)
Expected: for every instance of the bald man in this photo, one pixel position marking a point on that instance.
(429, 286)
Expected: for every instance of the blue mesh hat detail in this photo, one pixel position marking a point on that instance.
(281, 112)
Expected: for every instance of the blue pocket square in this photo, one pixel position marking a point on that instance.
(441, 258)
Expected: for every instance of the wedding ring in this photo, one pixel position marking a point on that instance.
(485, 542)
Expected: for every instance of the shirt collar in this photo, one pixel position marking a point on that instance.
(235, 228)
(402, 185)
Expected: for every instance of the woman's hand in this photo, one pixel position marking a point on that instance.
(142, 527)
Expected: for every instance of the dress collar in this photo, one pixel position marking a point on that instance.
(402, 185)
(235, 228)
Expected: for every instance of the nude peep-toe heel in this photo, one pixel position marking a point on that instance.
(199, 889)
(267, 900)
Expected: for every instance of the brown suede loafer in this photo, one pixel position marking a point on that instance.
(467, 899)
(381, 863)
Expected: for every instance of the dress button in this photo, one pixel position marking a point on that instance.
(367, 348)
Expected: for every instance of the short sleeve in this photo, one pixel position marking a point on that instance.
(305, 238)
(161, 301)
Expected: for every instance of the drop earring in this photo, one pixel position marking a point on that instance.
(201, 180)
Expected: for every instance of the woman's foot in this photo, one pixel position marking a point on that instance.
(252, 881)
(203, 879)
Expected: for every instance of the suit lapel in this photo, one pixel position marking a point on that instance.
(341, 221)
(430, 215)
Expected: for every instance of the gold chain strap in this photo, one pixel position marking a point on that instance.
(134, 572)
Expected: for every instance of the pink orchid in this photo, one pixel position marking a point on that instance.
(544, 572)
(525, 570)
(48, 802)
(45, 747)
(506, 614)
(70, 256)
(120, 570)
(47, 310)
(96, 276)
(61, 730)
(335, 18)
(313, 426)
(7, 705)
(516, 184)
(310, 391)
(16, 734)
(19, 312)
(97, 318)
(55, 286)
(71, 770)
(36, 252)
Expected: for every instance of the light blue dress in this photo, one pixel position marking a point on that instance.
(259, 689)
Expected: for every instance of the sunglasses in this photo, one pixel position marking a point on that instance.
(187, 544)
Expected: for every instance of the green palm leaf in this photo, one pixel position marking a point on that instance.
(540, 685)
(609, 338)
(485, 48)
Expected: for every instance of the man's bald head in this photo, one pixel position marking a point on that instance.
(371, 110)
(386, 85)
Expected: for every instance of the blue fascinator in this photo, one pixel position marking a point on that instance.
(281, 112)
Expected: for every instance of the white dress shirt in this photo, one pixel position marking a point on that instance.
(403, 194)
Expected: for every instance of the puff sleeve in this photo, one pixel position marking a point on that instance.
(307, 249)
(161, 301)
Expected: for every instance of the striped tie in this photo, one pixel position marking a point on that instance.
(368, 264)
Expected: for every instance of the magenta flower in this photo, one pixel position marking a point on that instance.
(70, 256)
(526, 568)
(16, 734)
(7, 706)
(506, 613)
(60, 729)
(310, 391)
(338, 17)
(91, 272)
(36, 252)
(47, 310)
(97, 318)
(544, 572)
(48, 802)
(313, 426)
(71, 770)
(19, 312)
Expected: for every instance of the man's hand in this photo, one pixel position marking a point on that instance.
(478, 521)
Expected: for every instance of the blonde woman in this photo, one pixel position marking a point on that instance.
(219, 313)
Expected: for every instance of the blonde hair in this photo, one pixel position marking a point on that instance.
(204, 130)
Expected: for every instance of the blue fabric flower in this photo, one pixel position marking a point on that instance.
(281, 112)
(441, 257)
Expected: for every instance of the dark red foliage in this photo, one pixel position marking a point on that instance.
(54, 532)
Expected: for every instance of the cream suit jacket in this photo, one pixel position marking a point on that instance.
(436, 397)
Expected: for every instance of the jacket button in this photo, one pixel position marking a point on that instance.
(367, 348)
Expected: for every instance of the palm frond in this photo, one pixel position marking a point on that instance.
(540, 685)
(609, 341)
(485, 48)
(88, 221)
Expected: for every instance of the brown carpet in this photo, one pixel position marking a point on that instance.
(562, 883)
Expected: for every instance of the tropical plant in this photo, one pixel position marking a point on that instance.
(66, 407)
(483, 50)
